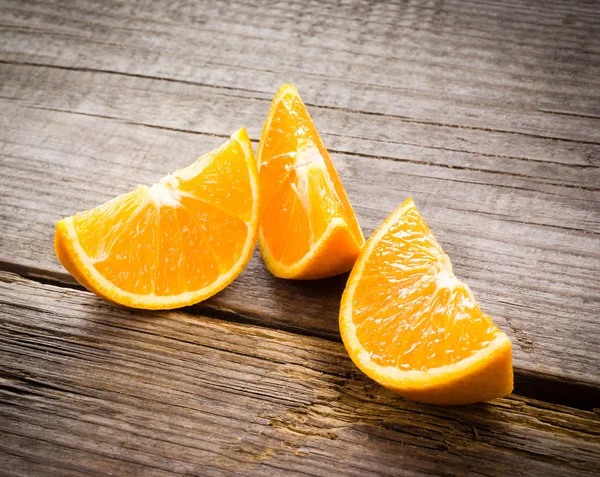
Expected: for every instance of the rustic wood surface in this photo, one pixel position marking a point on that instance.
(486, 113)
(225, 398)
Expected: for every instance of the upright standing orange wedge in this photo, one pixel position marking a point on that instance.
(307, 226)
(175, 243)
(411, 325)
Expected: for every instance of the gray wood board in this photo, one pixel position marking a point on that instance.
(526, 241)
(90, 388)
(531, 69)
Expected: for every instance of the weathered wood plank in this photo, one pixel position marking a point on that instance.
(525, 196)
(528, 248)
(488, 119)
(89, 388)
(200, 109)
(493, 69)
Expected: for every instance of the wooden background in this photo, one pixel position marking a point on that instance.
(486, 113)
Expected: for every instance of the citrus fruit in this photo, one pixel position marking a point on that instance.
(307, 226)
(410, 324)
(175, 243)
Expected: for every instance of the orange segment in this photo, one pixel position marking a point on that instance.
(103, 221)
(409, 323)
(308, 228)
(201, 267)
(118, 251)
(224, 233)
(175, 243)
(224, 183)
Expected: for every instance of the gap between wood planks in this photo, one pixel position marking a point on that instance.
(276, 30)
(43, 146)
(268, 98)
(76, 388)
(548, 388)
(373, 156)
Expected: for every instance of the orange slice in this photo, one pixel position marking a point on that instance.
(175, 243)
(307, 226)
(411, 325)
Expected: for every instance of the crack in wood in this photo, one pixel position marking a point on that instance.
(373, 113)
(505, 218)
(122, 73)
(461, 168)
(134, 123)
(218, 388)
(563, 113)
(465, 151)
(364, 155)
(542, 386)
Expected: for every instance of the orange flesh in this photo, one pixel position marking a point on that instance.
(300, 189)
(409, 309)
(175, 236)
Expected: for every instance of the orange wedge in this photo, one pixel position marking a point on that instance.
(411, 325)
(175, 243)
(307, 228)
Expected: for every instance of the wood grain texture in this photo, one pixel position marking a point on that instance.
(486, 113)
(90, 388)
(520, 231)
(530, 69)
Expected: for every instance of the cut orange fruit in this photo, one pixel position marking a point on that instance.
(307, 228)
(411, 325)
(175, 243)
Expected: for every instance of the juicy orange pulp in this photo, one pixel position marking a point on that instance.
(307, 227)
(417, 315)
(172, 244)
(412, 325)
